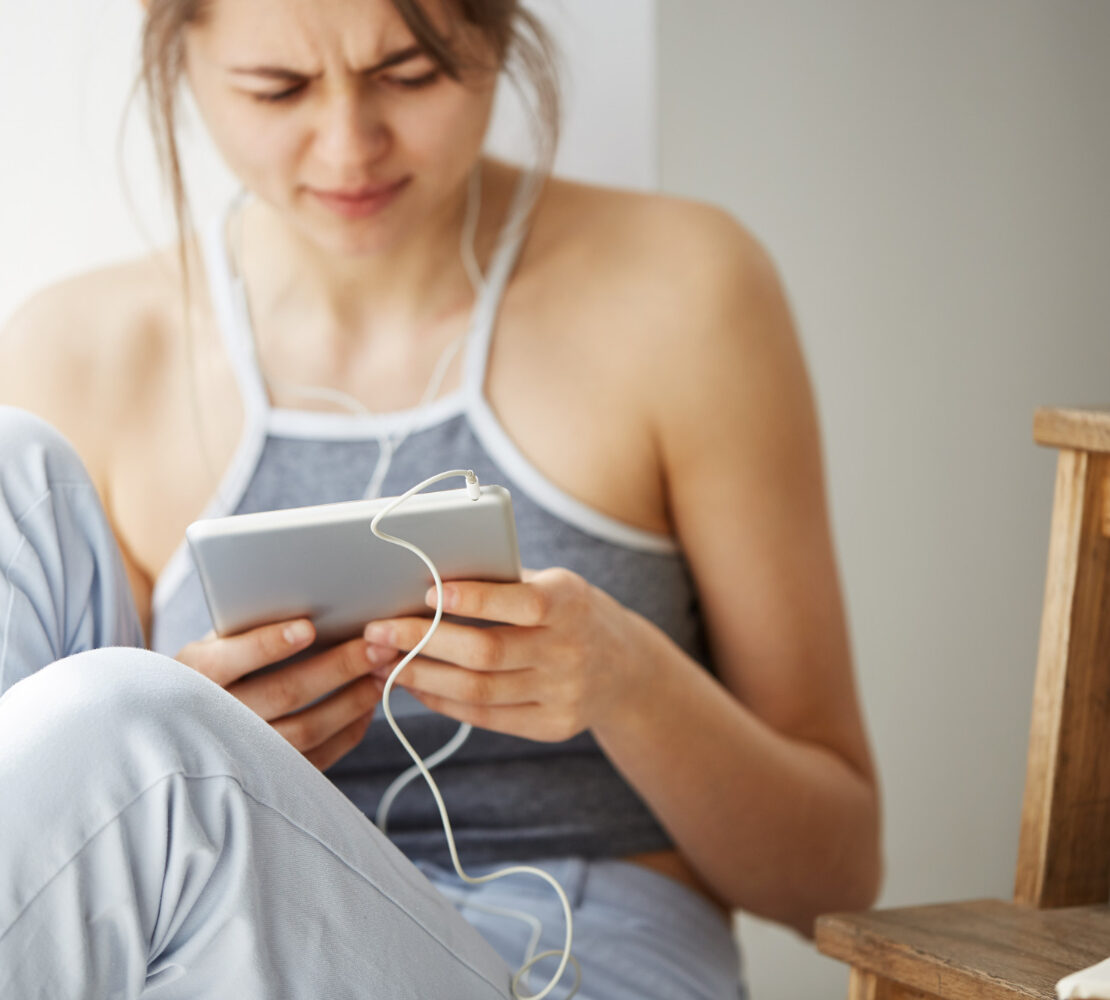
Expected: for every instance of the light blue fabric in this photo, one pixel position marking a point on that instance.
(636, 933)
(63, 587)
(159, 839)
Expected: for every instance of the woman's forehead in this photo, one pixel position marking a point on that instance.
(302, 33)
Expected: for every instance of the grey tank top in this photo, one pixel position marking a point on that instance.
(509, 798)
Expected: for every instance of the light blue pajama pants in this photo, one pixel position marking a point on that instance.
(158, 839)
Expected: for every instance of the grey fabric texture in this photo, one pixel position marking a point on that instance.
(508, 798)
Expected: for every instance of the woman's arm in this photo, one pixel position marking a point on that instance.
(761, 775)
(765, 779)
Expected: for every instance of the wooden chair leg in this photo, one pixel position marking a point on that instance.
(863, 985)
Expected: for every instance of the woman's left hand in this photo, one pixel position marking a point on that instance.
(559, 665)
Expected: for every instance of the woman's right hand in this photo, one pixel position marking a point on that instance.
(324, 732)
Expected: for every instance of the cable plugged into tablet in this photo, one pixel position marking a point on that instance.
(473, 490)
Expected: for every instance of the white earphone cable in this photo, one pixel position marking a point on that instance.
(405, 778)
(388, 444)
(567, 957)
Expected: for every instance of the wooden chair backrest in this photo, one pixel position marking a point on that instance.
(1064, 848)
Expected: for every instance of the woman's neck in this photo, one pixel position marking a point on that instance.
(405, 288)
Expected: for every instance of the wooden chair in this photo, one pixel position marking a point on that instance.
(1059, 919)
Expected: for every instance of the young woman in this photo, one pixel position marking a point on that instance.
(665, 714)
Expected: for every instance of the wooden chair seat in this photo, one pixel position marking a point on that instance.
(1059, 920)
(985, 949)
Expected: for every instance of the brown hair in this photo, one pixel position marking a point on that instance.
(517, 37)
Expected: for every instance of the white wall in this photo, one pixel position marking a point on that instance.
(931, 177)
(608, 87)
(65, 185)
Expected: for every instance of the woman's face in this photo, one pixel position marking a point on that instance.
(328, 111)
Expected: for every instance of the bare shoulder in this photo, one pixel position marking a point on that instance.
(680, 290)
(82, 351)
(651, 227)
(675, 264)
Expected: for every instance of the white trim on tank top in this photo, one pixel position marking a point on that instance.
(260, 418)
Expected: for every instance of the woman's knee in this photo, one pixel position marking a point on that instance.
(123, 679)
(33, 455)
(141, 711)
(21, 430)
(113, 707)
(61, 572)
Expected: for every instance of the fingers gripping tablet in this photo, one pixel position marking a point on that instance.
(323, 563)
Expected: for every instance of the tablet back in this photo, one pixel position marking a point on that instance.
(323, 562)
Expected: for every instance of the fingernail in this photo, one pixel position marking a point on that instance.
(297, 632)
(376, 654)
(382, 634)
(450, 598)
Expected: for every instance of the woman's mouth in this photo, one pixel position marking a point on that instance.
(360, 203)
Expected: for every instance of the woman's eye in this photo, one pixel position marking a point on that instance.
(281, 95)
(404, 82)
(414, 82)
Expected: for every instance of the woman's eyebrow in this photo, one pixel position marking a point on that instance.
(280, 73)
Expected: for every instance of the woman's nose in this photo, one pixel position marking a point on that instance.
(352, 129)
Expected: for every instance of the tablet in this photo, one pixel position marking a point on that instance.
(323, 563)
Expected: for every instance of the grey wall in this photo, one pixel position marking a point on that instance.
(931, 178)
